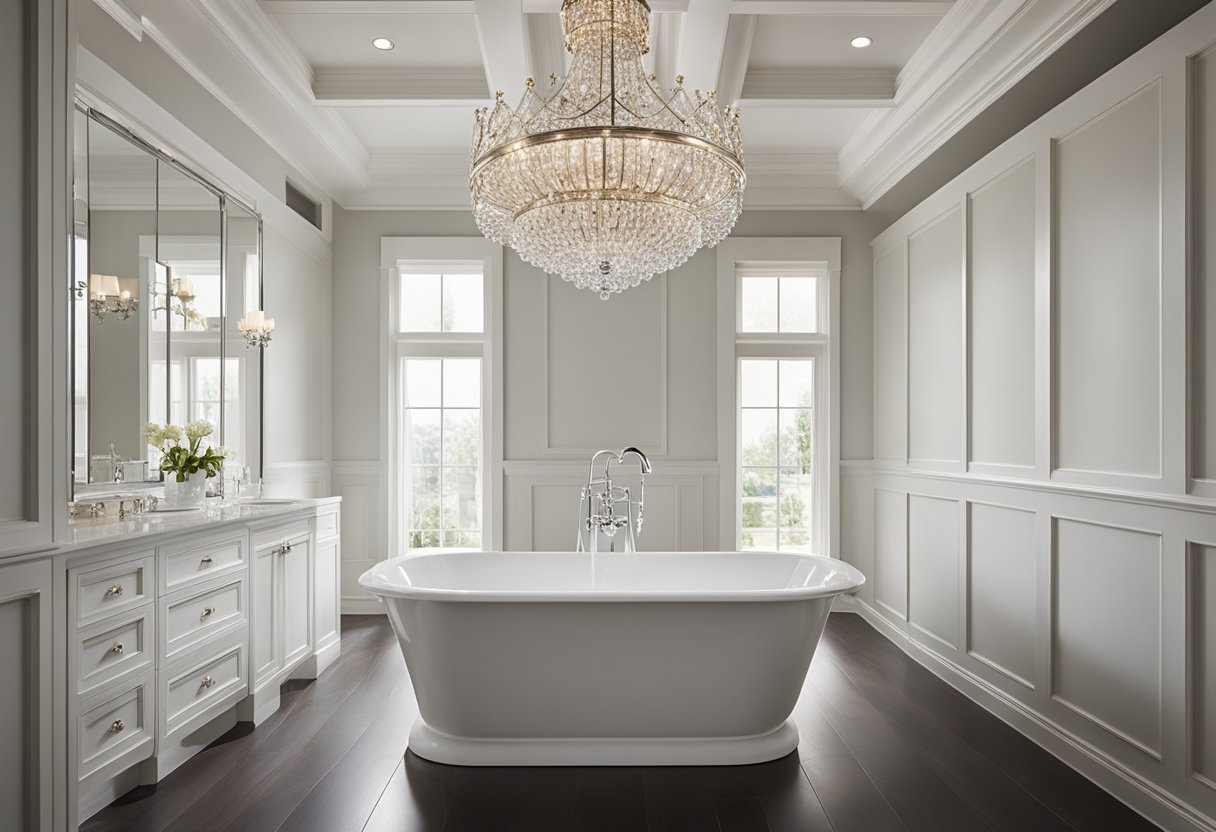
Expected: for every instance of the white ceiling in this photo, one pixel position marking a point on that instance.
(825, 125)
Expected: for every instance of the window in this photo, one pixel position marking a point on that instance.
(776, 345)
(440, 321)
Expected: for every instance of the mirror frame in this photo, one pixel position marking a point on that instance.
(76, 296)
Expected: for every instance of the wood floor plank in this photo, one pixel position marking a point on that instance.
(852, 802)
(1074, 798)
(414, 800)
(921, 798)
(546, 800)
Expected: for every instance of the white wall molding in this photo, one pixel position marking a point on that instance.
(124, 15)
(423, 86)
(799, 86)
(297, 479)
(358, 484)
(980, 50)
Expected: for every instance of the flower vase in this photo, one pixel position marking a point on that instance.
(191, 493)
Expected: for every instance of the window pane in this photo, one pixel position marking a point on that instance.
(758, 304)
(422, 428)
(462, 539)
(797, 383)
(424, 491)
(796, 491)
(422, 382)
(461, 498)
(797, 430)
(462, 303)
(799, 305)
(758, 434)
(757, 540)
(420, 306)
(461, 382)
(461, 437)
(758, 383)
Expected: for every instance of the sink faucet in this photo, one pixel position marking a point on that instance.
(115, 464)
(605, 508)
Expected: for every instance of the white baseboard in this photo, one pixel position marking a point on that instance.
(354, 605)
(1159, 806)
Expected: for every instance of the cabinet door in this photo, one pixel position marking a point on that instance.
(326, 626)
(295, 601)
(265, 635)
(26, 766)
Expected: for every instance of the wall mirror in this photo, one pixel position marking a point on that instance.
(164, 266)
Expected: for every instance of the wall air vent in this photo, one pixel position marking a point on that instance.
(303, 204)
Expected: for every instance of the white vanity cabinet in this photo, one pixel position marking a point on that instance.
(173, 635)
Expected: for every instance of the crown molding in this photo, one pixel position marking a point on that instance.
(431, 87)
(124, 15)
(977, 53)
(347, 7)
(844, 8)
(803, 86)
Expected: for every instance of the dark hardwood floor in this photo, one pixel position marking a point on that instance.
(885, 746)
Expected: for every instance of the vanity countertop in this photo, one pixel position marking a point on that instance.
(87, 533)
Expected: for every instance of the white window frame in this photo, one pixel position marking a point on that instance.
(818, 256)
(439, 253)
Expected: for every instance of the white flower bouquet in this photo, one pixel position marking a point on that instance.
(181, 449)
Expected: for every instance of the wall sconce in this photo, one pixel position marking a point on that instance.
(256, 328)
(106, 297)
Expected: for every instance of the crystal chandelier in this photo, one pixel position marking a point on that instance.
(606, 180)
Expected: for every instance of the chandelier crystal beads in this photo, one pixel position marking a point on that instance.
(606, 180)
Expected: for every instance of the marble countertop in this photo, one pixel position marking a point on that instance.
(87, 533)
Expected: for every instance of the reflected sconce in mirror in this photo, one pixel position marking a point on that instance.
(256, 328)
(107, 297)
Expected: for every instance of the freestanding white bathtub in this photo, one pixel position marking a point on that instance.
(554, 658)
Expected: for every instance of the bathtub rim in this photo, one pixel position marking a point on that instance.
(439, 747)
(373, 581)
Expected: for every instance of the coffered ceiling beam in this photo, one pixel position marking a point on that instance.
(503, 37)
(702, 41)
(801, 87)
(655, 5)
(429, 87)
(348, 7)
(735, 57)
(547, 53)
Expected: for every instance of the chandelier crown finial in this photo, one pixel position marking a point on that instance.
(607, 180)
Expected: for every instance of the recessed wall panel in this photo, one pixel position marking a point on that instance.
(1203, 623)
(890, 344)
(1001, 598)
(1001, 299)
(1108, 278)
(1106, 635)
(16, 637)
(933, 566)
(891, 551)
(935, 304)
(1203, 297)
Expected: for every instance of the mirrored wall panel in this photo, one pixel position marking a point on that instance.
(165, 265)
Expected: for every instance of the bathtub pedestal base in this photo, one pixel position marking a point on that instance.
(439, 747)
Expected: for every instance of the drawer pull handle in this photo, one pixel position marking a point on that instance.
(206, 561)
(208, 611)
(114, 591)
(208, 681)
(117, 648)
(116, 726)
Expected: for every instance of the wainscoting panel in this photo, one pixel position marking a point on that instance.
(297, 479)
(1001, 301)
(933, 566)
(1203, 297)
(1108, 284)
(358, 484)
(935, 344)
(891, 551)
(1106, 633)
(890, 351)
(1002, 589)
(1203, 656)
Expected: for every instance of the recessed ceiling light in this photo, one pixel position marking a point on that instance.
(860, 42)
(386, 44)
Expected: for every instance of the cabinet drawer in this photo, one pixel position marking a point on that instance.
(280, 534)
(114, 649)
(188, 619)
(327, 525)
(211, 683)
(117, 728)
(185, 565)
(104, 590)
